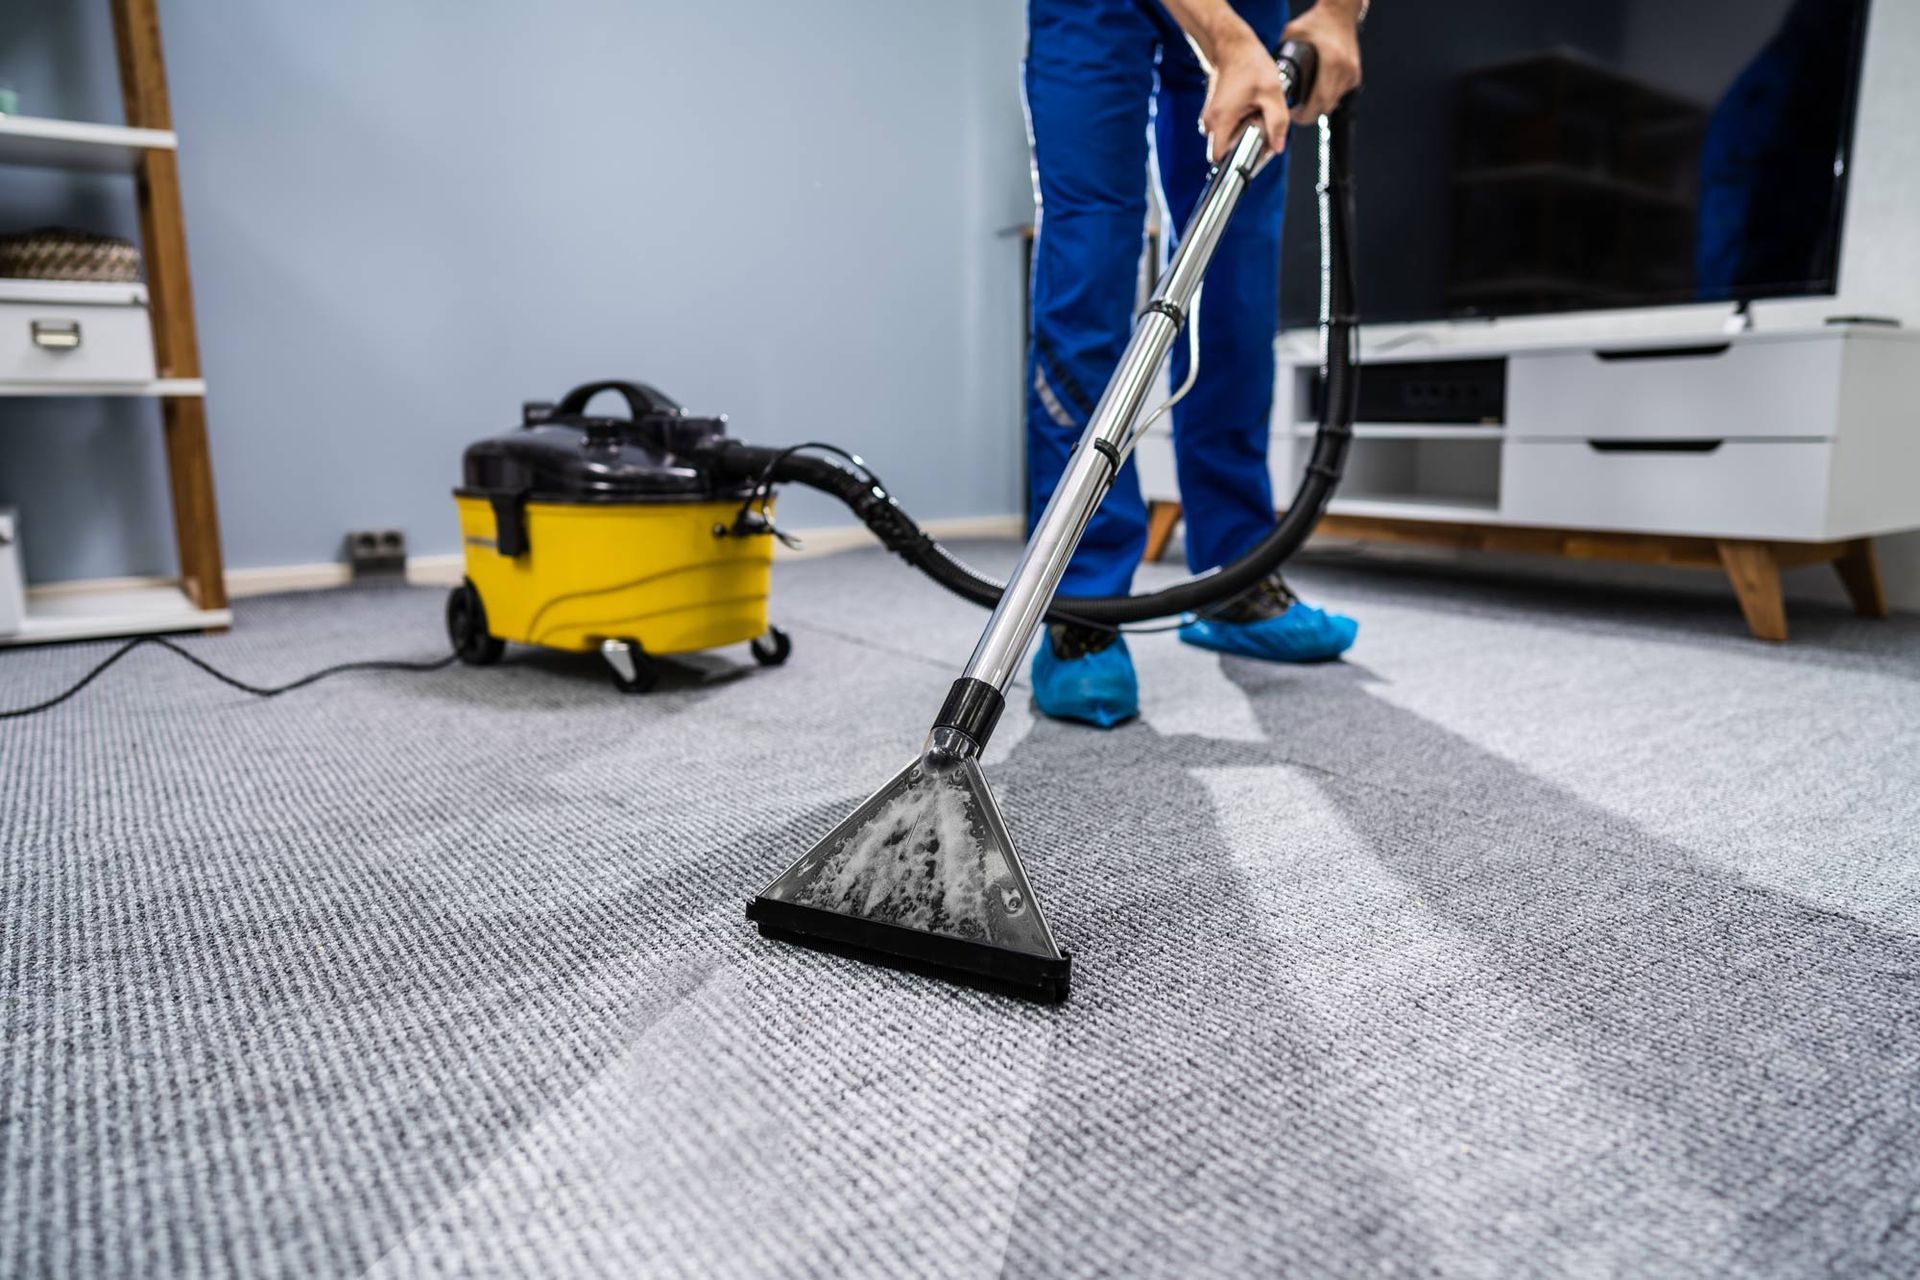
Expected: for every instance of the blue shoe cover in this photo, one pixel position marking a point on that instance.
(1099, 689)
(1301, 634)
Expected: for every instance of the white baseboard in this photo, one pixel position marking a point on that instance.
(447, 570)
(442, 570)
(437, 571)
(95, 586)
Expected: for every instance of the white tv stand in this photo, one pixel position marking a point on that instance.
(1747, 452)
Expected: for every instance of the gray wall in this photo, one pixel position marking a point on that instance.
(406, 218)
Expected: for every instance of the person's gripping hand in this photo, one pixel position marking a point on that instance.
(1332, 27)
(1244, 86)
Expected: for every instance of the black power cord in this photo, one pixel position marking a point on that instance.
(258, 691)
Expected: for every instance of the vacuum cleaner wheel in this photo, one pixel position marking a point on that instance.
(632, 670)
(467, 628)
(771, 649)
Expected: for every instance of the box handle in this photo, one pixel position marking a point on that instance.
(1703, 352)
(1654, 446)
(56, 335)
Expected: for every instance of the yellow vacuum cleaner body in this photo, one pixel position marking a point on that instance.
(589, 533)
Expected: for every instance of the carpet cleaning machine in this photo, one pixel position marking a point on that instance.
(652, 534)
(621, 535)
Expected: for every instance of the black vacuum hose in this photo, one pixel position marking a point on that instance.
(897, 530)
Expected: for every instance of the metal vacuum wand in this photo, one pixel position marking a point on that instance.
(923, 874)
(975, 701)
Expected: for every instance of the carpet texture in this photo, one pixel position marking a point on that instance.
(1558, 932)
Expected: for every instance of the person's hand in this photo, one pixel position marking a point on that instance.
(1332, 28)
(1244, 87)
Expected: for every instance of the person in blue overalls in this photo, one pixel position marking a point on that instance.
(1101, 75)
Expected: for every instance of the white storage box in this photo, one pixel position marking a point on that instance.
(13, 588)
(53, 331)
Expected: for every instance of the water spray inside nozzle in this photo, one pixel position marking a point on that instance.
(923, 874)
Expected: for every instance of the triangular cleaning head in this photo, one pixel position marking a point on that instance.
(923, 876)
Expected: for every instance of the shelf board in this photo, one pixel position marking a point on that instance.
(64, 613)
(1409, 431)
(1418, 507)
(74, 293)
(159, 387)
(75, 144)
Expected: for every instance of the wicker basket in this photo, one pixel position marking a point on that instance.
(62, 253)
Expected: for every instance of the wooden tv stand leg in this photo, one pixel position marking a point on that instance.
(1755, 573)
(1162, 519)
(1859, 572)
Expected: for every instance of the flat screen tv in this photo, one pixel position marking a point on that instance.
(1515, 157)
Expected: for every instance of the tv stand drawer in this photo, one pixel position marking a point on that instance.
(1710, 390)
(1733, 488)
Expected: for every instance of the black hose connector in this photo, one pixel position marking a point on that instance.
(973, 707)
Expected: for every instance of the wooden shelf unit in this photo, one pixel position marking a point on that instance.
(144, 147)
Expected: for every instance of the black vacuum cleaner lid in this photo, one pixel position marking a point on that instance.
(576, 458)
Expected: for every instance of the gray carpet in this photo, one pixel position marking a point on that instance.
(1559, 932)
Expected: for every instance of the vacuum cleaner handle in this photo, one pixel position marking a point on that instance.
(641, 399)
(1299, 63)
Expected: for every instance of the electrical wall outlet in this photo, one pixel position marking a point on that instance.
(377, 553)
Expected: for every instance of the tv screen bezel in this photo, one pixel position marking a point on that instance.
(1826, 287)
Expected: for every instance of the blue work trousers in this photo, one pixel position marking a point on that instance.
(1102, 77)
